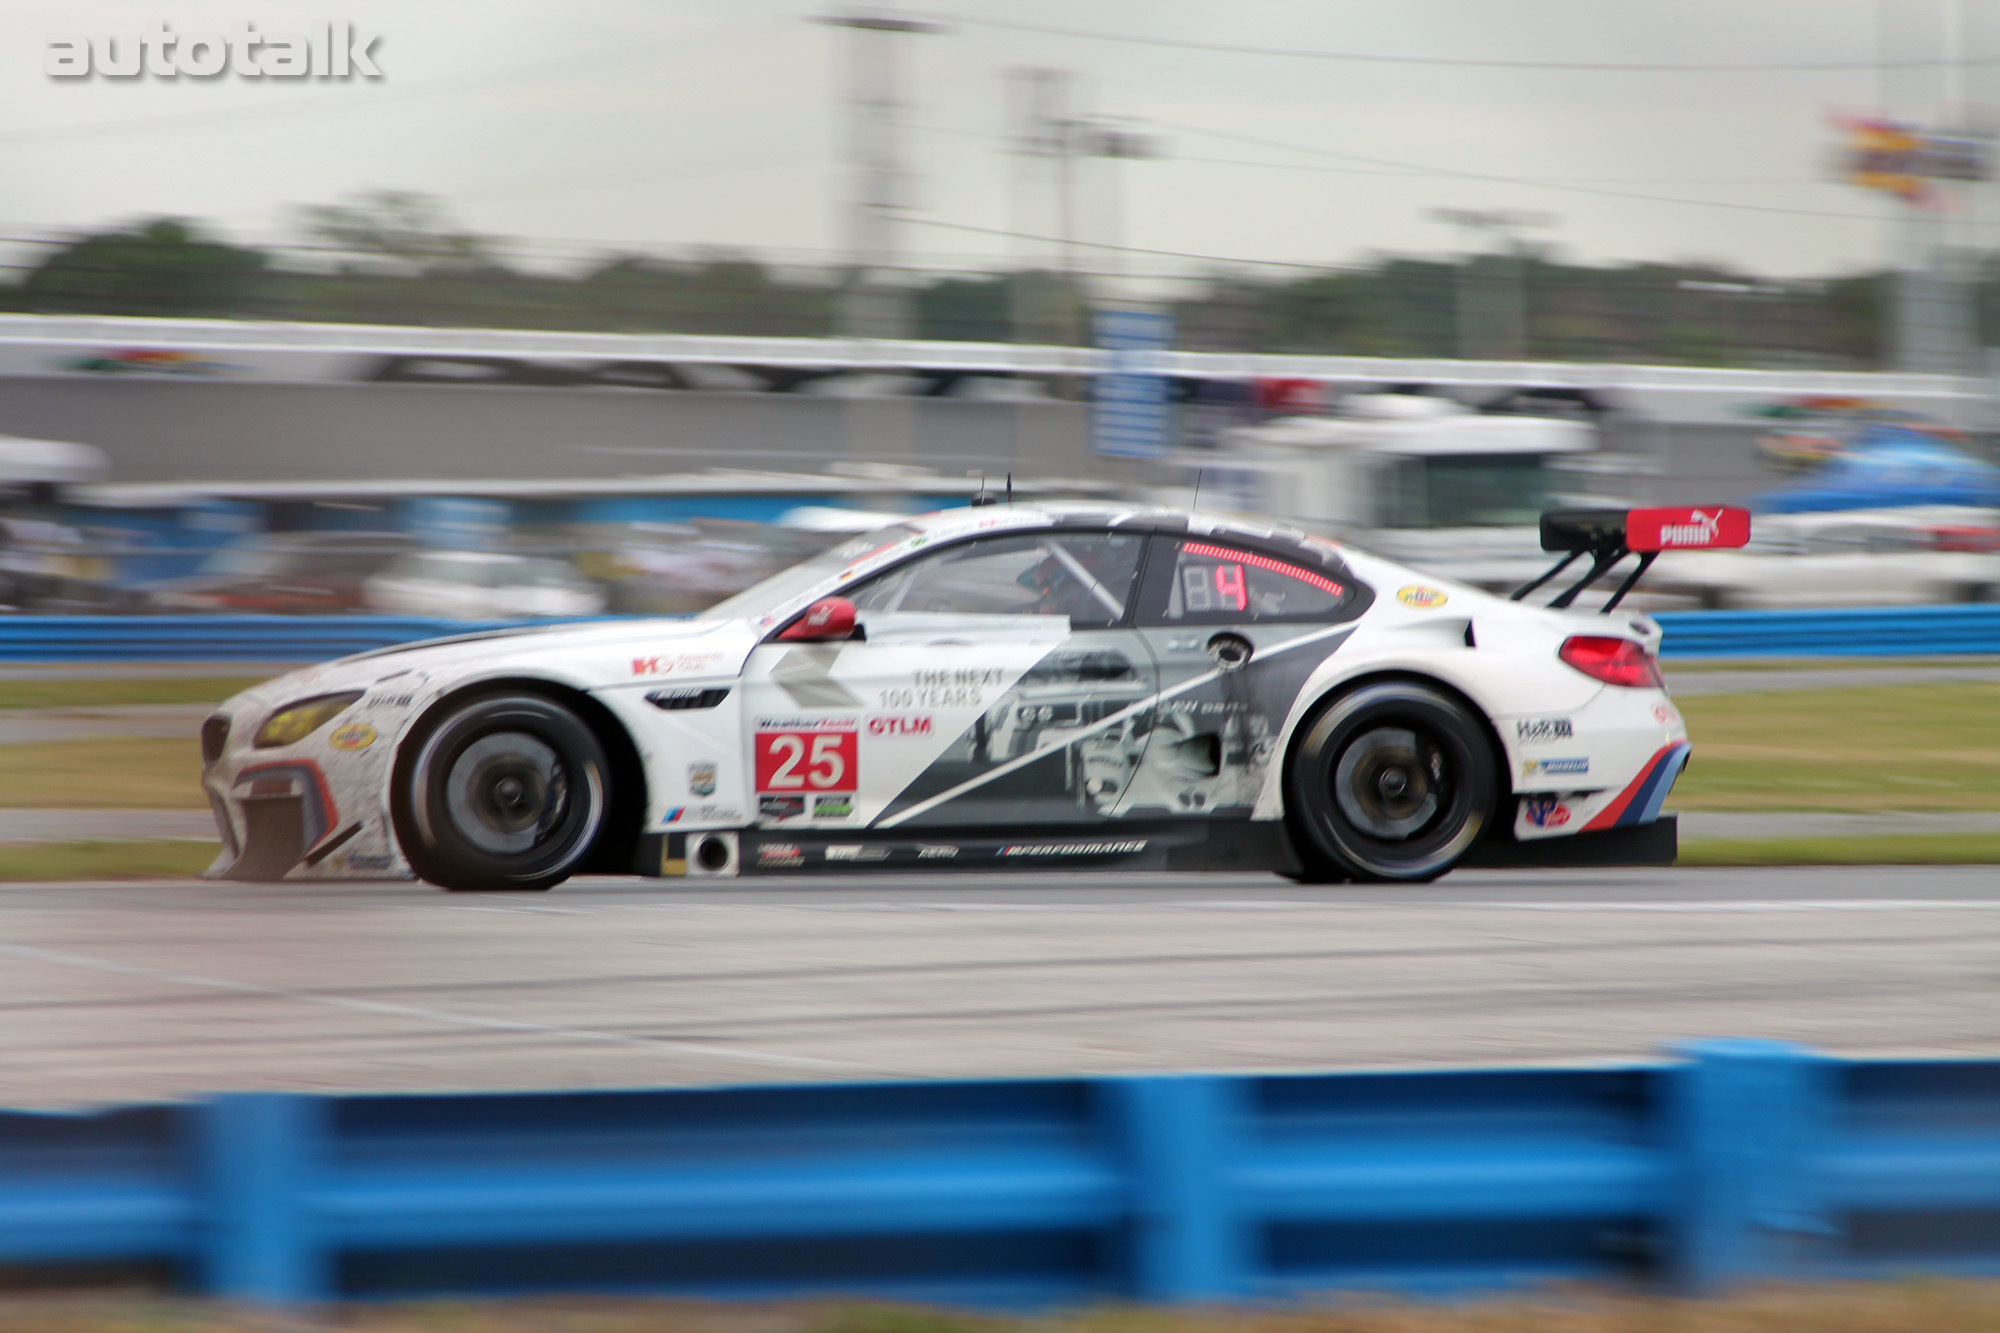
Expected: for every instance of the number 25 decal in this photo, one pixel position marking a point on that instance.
(805, 761)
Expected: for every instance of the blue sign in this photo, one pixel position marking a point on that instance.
(1131, 417)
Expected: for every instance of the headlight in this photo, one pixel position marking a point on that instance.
(300, 720)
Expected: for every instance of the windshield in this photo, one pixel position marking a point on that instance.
(787, 584)
(1465, 491)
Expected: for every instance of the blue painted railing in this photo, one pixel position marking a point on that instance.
(1891, 632)
(1898, 631)
(1738, 1161)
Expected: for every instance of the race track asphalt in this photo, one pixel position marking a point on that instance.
(140, 991)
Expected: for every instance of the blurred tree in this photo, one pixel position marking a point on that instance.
(1337, 313)
(962, 310)
(399, 225)
(161, 268)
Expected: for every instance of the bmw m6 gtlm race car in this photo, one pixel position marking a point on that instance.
(994, 687)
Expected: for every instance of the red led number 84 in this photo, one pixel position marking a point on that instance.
(805, 761)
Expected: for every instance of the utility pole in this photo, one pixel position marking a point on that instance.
(1044, 129)
(872, 303)
(1508, 318)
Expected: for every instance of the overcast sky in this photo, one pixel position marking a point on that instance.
(670, 123)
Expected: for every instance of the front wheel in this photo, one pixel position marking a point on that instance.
(1395, 781)
(506, 791)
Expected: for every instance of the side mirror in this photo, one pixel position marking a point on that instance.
(829, 620)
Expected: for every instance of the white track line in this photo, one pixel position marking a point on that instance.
(444, 1016)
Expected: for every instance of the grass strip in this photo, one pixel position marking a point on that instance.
(103, 773)
(1907, 1307)
(99, 691)
(104, 860)
(1889, 849)
(1932, 747)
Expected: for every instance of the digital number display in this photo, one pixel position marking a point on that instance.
(1214, 588)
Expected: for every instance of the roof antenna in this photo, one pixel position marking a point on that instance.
(982, 498)
(1198, 474)
(1010, 488)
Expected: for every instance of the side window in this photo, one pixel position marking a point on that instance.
(1087, 576)
(1201, 583)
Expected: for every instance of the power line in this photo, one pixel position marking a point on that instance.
(1496, 179)
(1451, 62)
(1411, 170)
(1122, 249)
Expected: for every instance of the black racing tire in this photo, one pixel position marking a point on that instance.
(1392, 783)
(503, 791)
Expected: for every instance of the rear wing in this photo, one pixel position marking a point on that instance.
(1609, 535)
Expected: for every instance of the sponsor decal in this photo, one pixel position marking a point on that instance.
(1672, 529)
(809, 722)
(368, 861)
(1537, 730)
(389, 701)
(936, 851)
(780, 854)
(1699, 530)
(719, 814)
(1546, 811)
(353, 736)
(1666, 714)
(674, 815)
(833, 807)
(802, 761)
(701, 778)
(915, 725)
(670, 664)
(854, 851)
(1530, 767)
(781, 807)
(1103, 847)
(1422, 596)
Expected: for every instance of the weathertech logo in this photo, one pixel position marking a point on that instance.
(1701, 531)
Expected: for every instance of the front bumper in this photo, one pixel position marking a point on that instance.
(304, 811)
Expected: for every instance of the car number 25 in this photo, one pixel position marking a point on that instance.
(805, 761)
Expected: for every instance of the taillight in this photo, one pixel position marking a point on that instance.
(1613, 661)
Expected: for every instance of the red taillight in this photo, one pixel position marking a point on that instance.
(1613, 661)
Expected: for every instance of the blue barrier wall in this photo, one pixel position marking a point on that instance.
(1740, 1160)
(1892, 632)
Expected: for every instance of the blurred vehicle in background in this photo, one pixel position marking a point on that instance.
(682, 568)
(1844, 558)
(286, 573)
(1889, 510)
(46, 569)
(1453, 490)
(480, 585)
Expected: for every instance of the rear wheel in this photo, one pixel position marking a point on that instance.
(1395, 781)
(506, 791)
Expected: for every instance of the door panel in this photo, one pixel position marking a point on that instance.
(1235, 634)
(837, 731)
(997, 684)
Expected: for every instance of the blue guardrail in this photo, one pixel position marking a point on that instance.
(1889, 632)
(1734, 1161)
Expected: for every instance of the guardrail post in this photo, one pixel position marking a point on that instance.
(1186, 1244)
(258, 1152)
(1748, 1121)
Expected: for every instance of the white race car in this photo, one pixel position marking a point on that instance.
(1019, 686)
